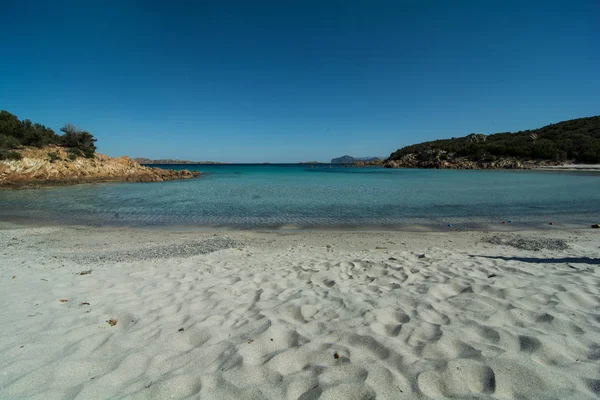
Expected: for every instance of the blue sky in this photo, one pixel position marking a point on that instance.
(288, 81)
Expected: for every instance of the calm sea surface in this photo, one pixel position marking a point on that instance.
(304, 196)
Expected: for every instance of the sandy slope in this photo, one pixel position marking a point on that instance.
(296, 316)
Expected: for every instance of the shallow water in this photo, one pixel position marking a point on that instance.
(304, 196)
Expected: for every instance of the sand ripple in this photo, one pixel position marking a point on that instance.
(264, 323)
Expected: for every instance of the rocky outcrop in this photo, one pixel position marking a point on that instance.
(440, 159)
(573, 141)
(476, 138)
(373, 163)
(52, 166)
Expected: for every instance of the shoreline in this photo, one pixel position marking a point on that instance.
(51, 166)
(56, 183)
(20, 183)
(165, 174)
(488, 226)
(571, 167)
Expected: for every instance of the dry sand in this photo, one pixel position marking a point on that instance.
(571, 167)
(298, 315)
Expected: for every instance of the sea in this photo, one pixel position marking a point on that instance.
(322, 196)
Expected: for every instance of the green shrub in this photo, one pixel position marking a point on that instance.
(15, 133)
(577, 139)
(9, 155)
(78, 139)
(54, 156)
(8, 142)
(73, 153)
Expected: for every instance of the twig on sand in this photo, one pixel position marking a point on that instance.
(89, 271)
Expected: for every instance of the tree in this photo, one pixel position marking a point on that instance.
(10, 125)
(38, 135)
(15, 133)
(577, 140)
(75, 138)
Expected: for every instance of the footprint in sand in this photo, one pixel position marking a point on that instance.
(460, 378)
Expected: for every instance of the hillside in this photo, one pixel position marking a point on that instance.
(349, 159)
(34, 155)
(16, 133)
(576, 141)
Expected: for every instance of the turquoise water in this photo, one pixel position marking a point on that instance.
(303, 196)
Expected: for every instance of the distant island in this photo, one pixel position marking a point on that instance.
(350, 160)
(32, 155)
(148, 161)
(568, 142)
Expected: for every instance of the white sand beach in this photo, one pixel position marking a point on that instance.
(571, 167)
(298, 315)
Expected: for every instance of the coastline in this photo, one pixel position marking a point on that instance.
(571, 167)
(39, 172)
(51, 166)
(575, 223)
(265, 314)
(23, 184)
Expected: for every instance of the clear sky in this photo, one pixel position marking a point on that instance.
(288, 81)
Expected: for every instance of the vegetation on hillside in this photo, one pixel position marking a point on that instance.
(349, 159)
(575, 140)
(15, 133)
